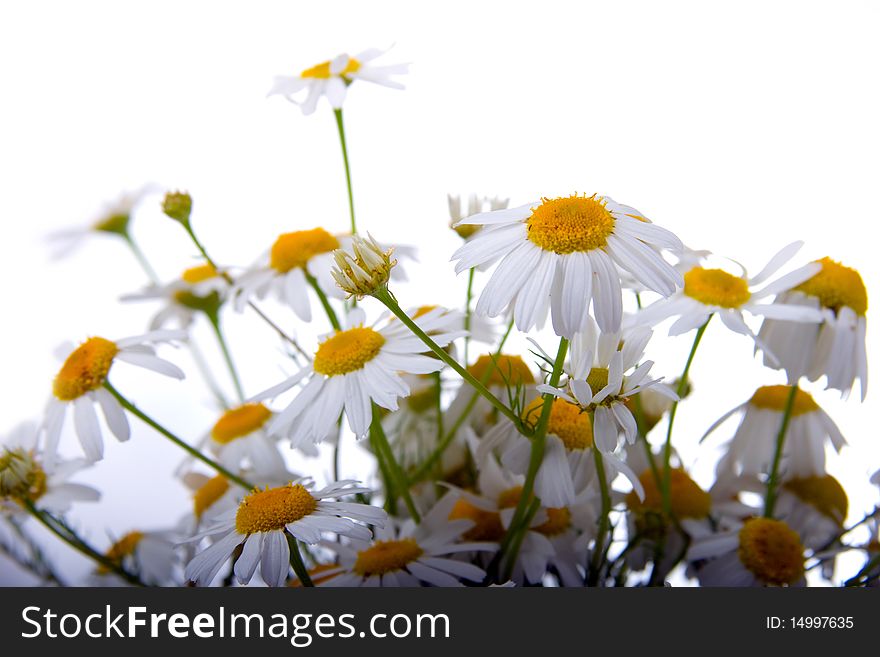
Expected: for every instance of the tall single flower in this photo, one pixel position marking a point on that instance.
(331, 79)
(835, 348)
(559, 254)
(79, 384)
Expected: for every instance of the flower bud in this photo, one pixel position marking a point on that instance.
(21, 477)
(178, 206)
(364, 271)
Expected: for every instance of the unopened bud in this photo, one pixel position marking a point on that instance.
(364, 271)
(178, 206)
(21, 477)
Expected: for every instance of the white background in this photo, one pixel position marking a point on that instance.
(740, 126)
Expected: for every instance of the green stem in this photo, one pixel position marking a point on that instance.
(205, 371)
(341, 127)
(536, 456)
(856, 580)
(325, 302)
(467, 313)
(227, 356)
(438, 386)
(141, 258)
(385, 297)
(667, 447)
(773, 479)
(52, 524)
(387, 479)
(296, 561)
(396, 472)
(604, 519)
(134, 410)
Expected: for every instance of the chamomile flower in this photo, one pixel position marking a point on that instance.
(331, 79)
(407, 554)
(80, 385)
(835, 348)
(148, 554)
(596, 380)
(352, 369)
(815, 507)
(264, 520)
(199, 289)
(24, 478)
(475, 205)
(750, 451)
(715, 291)
(559, 254)
(757, 552)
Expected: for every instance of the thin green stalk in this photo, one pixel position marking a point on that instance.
(134, 410)
(296, 561)
(467, 313)
(141, 258)
(596, 566)
(205, 371)
(536, 456)
(396, 472)
(667, 448)
(325, 302)
(341, 128)
(387, 479)
(52, 524)
(438, 386)
(227, 356)
(857, 579)
(425, 468)
(773, 479)
(385, 297)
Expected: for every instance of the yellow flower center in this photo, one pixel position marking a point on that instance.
(775, 398)
(715, 287)
(566, 421)
(21, 477)
(122, 548)
(465, 230)
(510, 497)
(686, 498)
(569, 224)
(240, 422)
(836, 286)
(386, 556)
(273, 509)
(198, 274)
(85, 369)
(558, 520)
(487, 524)
(211, 491)
(505, 370)
(423, 400)
(824, 493)
(348, 351)
(772, 551)
(115, 223)
(597, 379)
(295, 249)
(322, 71)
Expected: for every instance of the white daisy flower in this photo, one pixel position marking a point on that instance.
(715, 291)
(352, 369)
(264, 520)
(476, 205)
(80, 383)
(751, 450)
(407, 554)
(596, 380)
(199, 289)
(558, 254)
(331, 79)
(836, 347)
(758, 552)
(150, 555)
(23, 477)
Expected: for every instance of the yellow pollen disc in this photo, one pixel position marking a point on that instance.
(240, 422)
(211, 491)
(558, 520)
(322, 71)
(566, 421)
(686, 498)
(423, 310)
(348, 351)
(772, 551)
(423, 400)
(386, 556)
(597, 379)
(487, 524)
(775, 398)
(510, 497)
(715, 287)
(198, 274)
(506, 370)
(85, 369)
(466, 230)
(124, 547)
(569, 224)
(273, 509)
(836, 286)
(824, 493)
(115, 223)
(295, 249)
